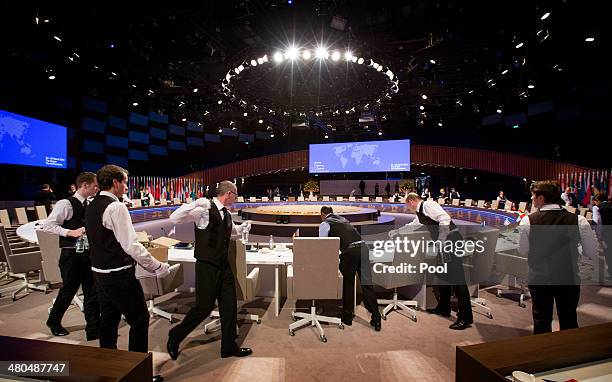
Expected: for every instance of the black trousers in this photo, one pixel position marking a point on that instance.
(454, 280)
(212, 283)
(120, 293)
(542, 299)
(75, 269)
(351, 261)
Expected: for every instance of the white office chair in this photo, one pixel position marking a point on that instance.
(41, 212)
(481, 204)
(339, 199)
(467, 203)
(455, 202)
(441, 201)
(522, 206)
(351, 199)
(252, 199)
(240, 199)
(494, 204)
(22, 216)
(325, 198)
(277, 199)
(478, 266)
(379, 199)
(300, 199)
(247, 284)
(314, 275)
(365, 199)
(136, 203)
(153, 287)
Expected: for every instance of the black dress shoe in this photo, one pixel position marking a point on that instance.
(375, 322)
(58, 330)
(439, 312)
(240, 352)
(93, 336)
(345, 320)
(158, 378)
(172, 346)
(460, 325)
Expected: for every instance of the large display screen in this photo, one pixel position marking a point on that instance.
(373, 156)
(31, 142)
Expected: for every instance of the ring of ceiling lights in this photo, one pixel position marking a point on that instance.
(304, 54)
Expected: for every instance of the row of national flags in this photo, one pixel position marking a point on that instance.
(166, 187)
(584, 183)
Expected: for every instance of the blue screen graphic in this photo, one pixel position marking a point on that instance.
(373, 156)
(31, 142)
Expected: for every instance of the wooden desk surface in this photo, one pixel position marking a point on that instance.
(534, 353)
(86, 363)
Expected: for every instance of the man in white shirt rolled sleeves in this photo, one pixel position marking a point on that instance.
(67, 220)
(550, 238)
(441, 227)
(214, 277)
(115, 251)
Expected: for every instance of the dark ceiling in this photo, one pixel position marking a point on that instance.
(469, 58)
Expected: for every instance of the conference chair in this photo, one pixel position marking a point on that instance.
(478, 266)
(441, 201)
(508, 206)
(325, 198)
(481, 204)
(455, 202)
(176, 201)
(351, 199)
(379, 199)
(277, 199)
(365, 199)
(41, 212)
(136, 203)
(21, 263)
(589, 216)
(247, 284)
(5, 221)
(22, 216)
(398, 280)
(300, 198)
(154, 287)
(515, 269)
(467, 203)
(570, 209)
(339, 199)
(264, 199)
(494, 204)
(163, 202)
(252, 199)
(314, 275)
(522, 206)
(240, 199)
(291, 199)
(312, 198)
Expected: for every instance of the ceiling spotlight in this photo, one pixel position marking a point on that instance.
(505, 71)
(272, 135)
(589, 39)
(219, 102)
(321, 53)
(335, 56)
(134, 103)
(245, 114)
(265, 58)
(531, 85)
(261, 121)
(380, 68)
(220, 130)
(360, 60)
(57, 38)
(253, 63)
(241, 67)
(375, 65)
(306, 54)
(260, 61)
(326, 136)
(519, 45)
(433, 61)
(195, 90)
(422, 107)
(292, 53)
(499, 111)
(52, 77)
(440, 124)
(470, 92)
(348, 55)
(237, 70)
(424, 96)
(184, 119)
(545, 16)
(278, 57)
(380, 133)
(390, 74)
(347, 111)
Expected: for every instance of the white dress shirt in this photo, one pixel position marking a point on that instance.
(587, 235)
(117, 219)
(566, 199)
(199, 209)
(60, 213)
(596, 215)
(324, 228)
(434, 211)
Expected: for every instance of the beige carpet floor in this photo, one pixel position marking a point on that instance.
(402, 351)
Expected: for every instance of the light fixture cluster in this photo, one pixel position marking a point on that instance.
(294, 55)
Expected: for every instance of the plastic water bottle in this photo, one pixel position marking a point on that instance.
(85, 242)
(271, 242)
(201, 222)
(80, 244)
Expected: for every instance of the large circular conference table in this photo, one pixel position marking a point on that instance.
(369, 217)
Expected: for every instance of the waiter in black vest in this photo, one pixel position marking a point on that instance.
(214, 277)
(550, 238)
(67, 220)
(115, 251)
(441, 227)
(354, 259)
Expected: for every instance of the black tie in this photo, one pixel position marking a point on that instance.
(225, 215)
(85, 203)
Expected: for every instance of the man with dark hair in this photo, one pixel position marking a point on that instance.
(44, 197)
(550, 238)
(115, 251)
(72, 189)
(362, 187)
(213, 227)
(354, 259)
(67, 220)
(388, 190)
(439, 224)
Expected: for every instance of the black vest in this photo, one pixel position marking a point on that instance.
(432, 226)
(553, 248)
(212, 243)
(105, 250)
(75, 222)
(342, 228)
